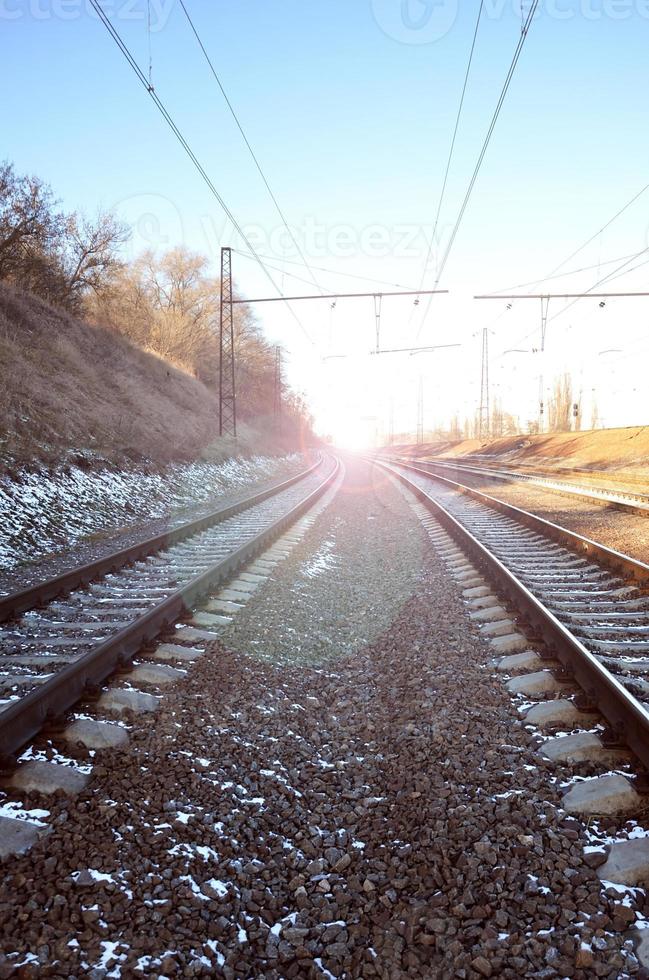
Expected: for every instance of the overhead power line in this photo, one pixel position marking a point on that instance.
(275, 268)
(492, 125)
(585, 295)
(452, 147)
(188, 150)
(247, 142)
(610, 275)
(598, 233)
(589, 241)
(575, 297)
(319, 268)
(278, 299)
(561, 275)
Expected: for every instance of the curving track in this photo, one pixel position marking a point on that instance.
(589, 604)
(61, 639)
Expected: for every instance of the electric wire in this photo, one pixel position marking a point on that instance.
(589, 241)
(617, 273)
(247, 142)
(560, 275)
(332, 272)
(452, 147)
(602, 229)
(190, 153)
(492, 125)
(275, 268)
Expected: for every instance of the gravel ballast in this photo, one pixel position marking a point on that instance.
(82, 536)
(613, 527)
(349, 797)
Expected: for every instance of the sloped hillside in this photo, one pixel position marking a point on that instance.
(624, 452)
(69, 390)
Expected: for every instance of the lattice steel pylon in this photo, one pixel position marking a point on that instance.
(483, 411)
(227, 394)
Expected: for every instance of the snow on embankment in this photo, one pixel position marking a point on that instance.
(43, 513)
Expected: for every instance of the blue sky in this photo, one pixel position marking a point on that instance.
(351, 116)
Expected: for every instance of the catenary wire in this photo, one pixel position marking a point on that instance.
(452, 146)
(190, 153)
(561, 275)
(492, 125)
(250, 149)
(332, 272)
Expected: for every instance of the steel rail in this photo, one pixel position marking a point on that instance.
(15, 603)
(630, 568)
(629, 721)
(47, 704)
(636, 503)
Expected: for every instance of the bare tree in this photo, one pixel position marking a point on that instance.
(30, 225)
(560, 404)
(497, 419)
(90, 252)
(594, 414)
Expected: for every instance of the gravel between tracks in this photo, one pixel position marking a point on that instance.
(344, 584)
(373, 813)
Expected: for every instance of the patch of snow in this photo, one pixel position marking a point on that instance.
(15, 811)
(218, 886)
(42, 513)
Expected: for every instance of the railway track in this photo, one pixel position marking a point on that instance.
(62, 639)
(625, 500)
(588, 605)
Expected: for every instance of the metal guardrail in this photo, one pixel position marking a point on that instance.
(628, 720)
(37, 595)
(47, 704)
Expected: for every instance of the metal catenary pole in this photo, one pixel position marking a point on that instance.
(277, 405)
(227, 393)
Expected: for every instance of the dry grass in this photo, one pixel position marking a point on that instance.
(68, 386)
(622, 451)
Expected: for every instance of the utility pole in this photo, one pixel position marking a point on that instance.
(277, 404)
(420, 411)
(483, 411)
(391, 421)
(377, 319)
(227, 396)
